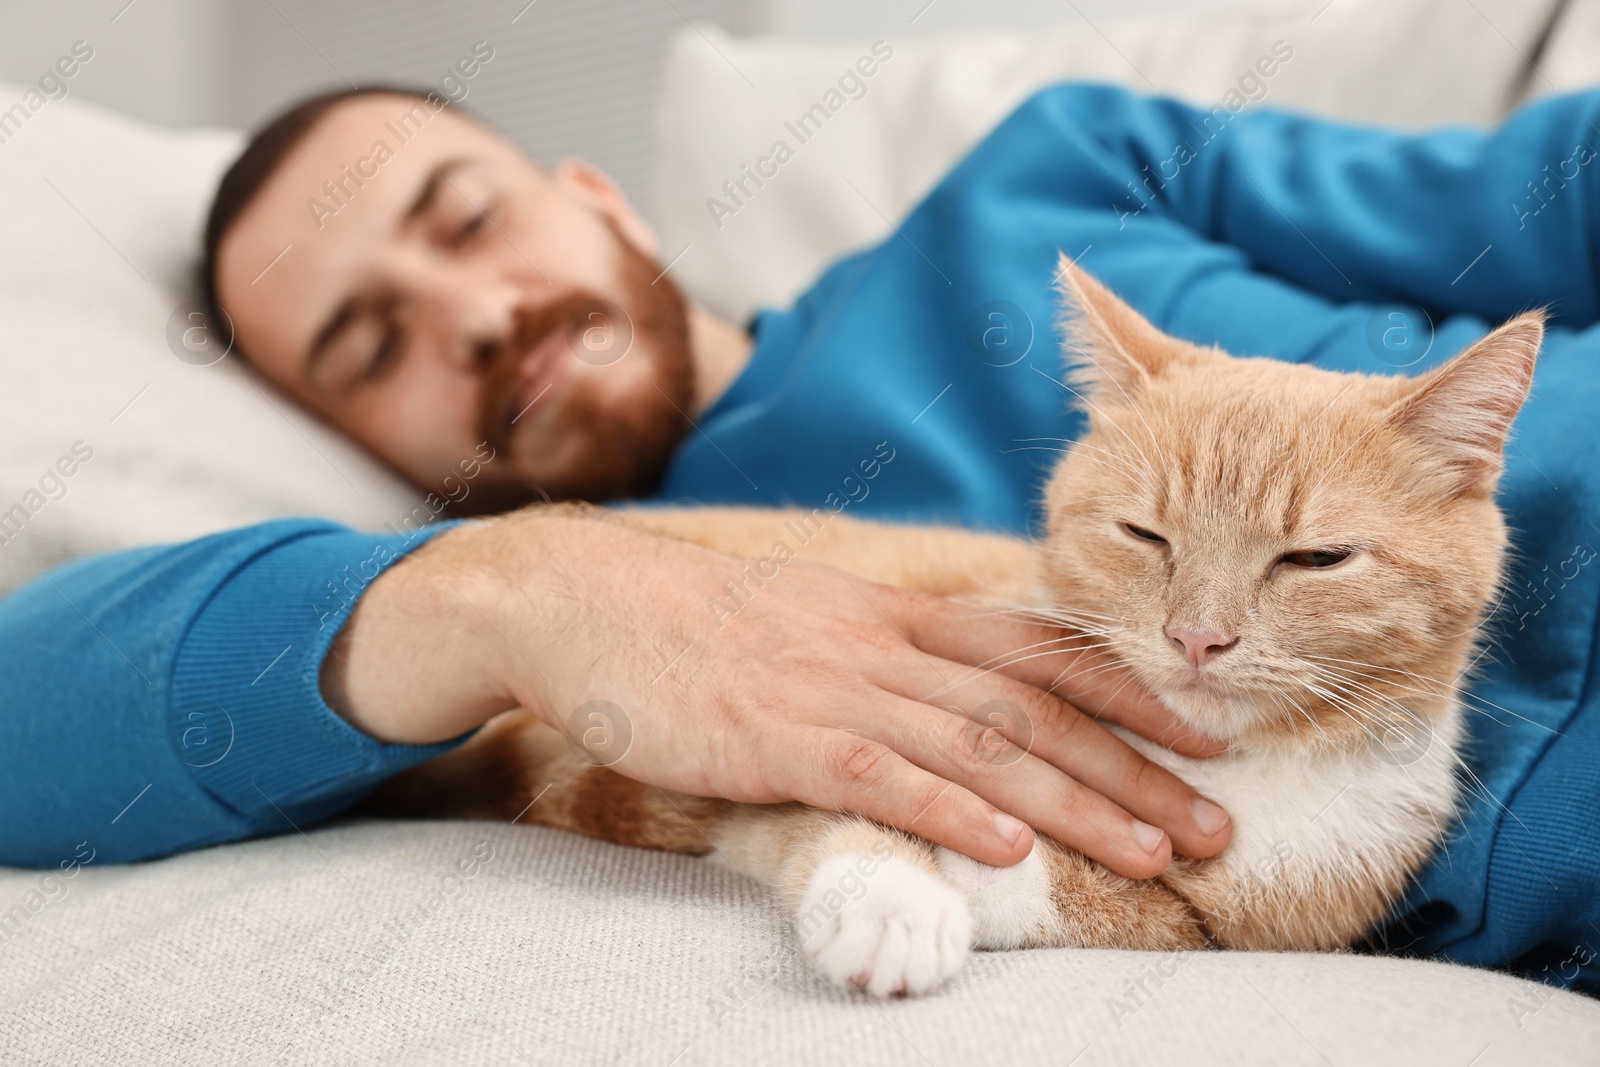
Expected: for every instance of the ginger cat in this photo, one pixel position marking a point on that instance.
(1295, 560)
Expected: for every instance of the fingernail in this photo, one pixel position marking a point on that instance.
(1209, 817)
(1009, 830)
(1148, 837)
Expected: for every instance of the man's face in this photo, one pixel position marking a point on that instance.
(459, 295)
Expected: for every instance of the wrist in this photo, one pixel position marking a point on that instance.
(569, 590)
(510, 582)
(417, 660)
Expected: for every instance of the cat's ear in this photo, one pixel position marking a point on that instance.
(1111, 351)
(1462, 410)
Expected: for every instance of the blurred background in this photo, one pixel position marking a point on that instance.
(106, 173)
(570, 77)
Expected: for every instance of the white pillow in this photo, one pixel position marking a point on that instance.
(726, 101)
(1570, 58)
(102, 217)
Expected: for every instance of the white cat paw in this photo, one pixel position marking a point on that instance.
(885, 926)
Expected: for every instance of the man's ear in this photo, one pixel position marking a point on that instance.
(1111, 351)
(1461, 411)
(590, 185)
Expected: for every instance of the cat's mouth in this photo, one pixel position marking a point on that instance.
(1210, 702)
(1197, 681)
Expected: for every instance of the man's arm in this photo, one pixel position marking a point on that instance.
(825, 689)
(166, 698)
(170, 698)
(1457, 220)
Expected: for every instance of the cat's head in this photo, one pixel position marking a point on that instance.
(1276, 549)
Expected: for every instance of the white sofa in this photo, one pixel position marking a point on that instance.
(464, 943)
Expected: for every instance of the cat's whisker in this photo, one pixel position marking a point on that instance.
(1349, 703)
(1352, 681)
(1358, 713)
(1082, 500)
(1076, 635)
(997, 663)
(1115, 692)
(1080, 622)
(1116, 464)
(1467, 698)
(1087, 403)
(1083, 676)
(994, 664)
(1073, 633)
(1482, 789)
(1137, 409)
(1036, 448)
(1428, 753)
(1072, 627)
(1476, 784)
(1310, 718)
(1005, 659)
(1140, 474)
(1081, 627)
(1065, 613)
(1287, 707)
(1058, 611)
(1476, 781)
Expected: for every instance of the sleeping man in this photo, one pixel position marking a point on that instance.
(449, 303)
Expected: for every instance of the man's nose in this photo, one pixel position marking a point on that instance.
(1197, 644)
(472, 316)
(485, 324)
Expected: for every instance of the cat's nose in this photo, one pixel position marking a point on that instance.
(1197, 645)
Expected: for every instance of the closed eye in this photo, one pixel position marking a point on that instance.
(1316, 559)
(383, 357)
(474, 226)
(1142, 534)
(465, 232)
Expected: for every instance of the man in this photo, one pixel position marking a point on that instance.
(449, 293)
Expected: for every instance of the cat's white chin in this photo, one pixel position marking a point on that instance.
(1210, 708)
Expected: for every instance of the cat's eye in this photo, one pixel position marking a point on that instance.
(1142, 534)
(1316, 559)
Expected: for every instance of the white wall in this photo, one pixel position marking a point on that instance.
(568, 76)
(858, 18)
(162, 60)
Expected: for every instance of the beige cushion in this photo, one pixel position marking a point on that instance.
(1406, 63)
(371, 944)
(102, 216)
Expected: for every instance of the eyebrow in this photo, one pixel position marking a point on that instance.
(430, 187)
(345, 313)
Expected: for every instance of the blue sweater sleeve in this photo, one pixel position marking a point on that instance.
(163, 699)
(1486, 223)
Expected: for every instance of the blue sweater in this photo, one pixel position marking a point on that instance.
(1266, 234)
(913, 381)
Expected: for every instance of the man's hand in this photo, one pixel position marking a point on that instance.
(821, 688)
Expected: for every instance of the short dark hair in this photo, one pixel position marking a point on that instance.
(247, 174)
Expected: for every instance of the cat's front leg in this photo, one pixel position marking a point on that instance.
(1059, 898)
(871, 908)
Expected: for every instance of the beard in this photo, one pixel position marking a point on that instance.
(603, 440)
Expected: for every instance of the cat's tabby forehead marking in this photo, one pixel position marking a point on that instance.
(1234, 448)
(1240, 467)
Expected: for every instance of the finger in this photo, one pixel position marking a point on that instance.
(979, 757)
(845, 772)
(1075, 666)
(1051, 732)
